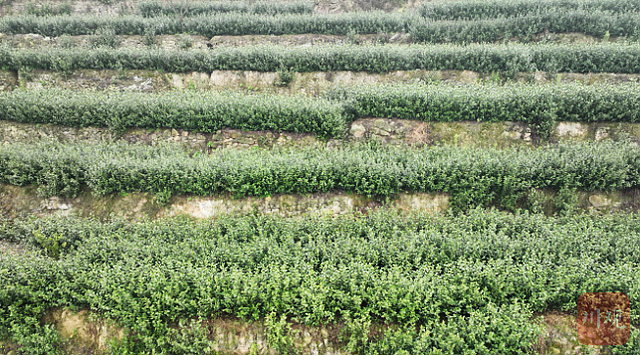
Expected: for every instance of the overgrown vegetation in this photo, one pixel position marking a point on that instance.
(155, 8)
(190, 110)
(208, 25)
(524, 26)
(451, 281)
(609, 58)
(485, 9)
(47, 9)
(527, 26)
(472, 176)
(539, 105)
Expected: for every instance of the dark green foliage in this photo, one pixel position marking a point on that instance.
(472, 176)
(104, 37)
(539, 105)
(155, 9)
(491, 330)
(470, 282)
(526, 26)
(484, 9)
(208, 25)
(609, 58)
(190, 110)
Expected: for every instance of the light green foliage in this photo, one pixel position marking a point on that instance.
(65, 41)
(524, 26)
(279, 334)
(472, 176)
(486, 9)
(149, 37)
(189, 339)
(565, 201)
(538, 105)
(155, 9)
(104, 37)
(527, 26)
(51, 245)
(355, 334)
(216, 25)
(286, 76)
(190, 110)
(490, 330)
(46, 9)
(602, 58)
(469, 282)
(185, 41)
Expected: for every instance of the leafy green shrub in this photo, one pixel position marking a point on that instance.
(189, 339)
(495, 330)
(524, 26)
(484, 9)
(285, 76)
(149, 37)
(536, 201)
(155, 9)
(469, 281)
(607, 58)
(356, 334)
(104, 37)
(185, 41)
(541, 106)
(632, 347)
(565, 201)
(472, 176)
(594, 23)
(207, 25)
(191, 110)
(51, 245)
(66, 42)
(46, 9)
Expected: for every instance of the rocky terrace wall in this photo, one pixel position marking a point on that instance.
(382, 130)
(312, 83)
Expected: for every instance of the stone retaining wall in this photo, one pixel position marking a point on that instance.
(382, 130)
(20, 202)
(312, 83)
(87, 334)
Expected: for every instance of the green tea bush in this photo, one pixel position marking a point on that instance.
(472, 176)
(538, 105)
(494, 330)
(207, 25)
(609, 58)
(632, 347)
(104, 37)
(526, 26)
(47, 9)
(190, 110)
(485, 9)
(469, 282)
(155, 9)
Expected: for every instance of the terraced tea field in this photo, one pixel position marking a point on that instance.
(358, 177)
